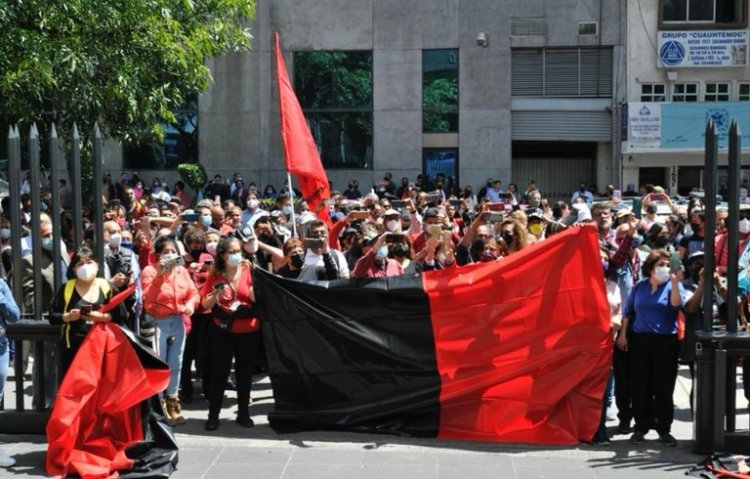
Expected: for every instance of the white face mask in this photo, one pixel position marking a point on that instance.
(234, 259)
(168, 256)
(87, 272)
(4, 233)
(211, 249)
(687, 231)
(253, 204)
(745, 226)
(115, 240)
(661, 274)
(392, 225)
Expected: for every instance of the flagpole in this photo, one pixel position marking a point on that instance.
(291, 195)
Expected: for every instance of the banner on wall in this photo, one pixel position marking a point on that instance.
(704, 48)
(681, 126)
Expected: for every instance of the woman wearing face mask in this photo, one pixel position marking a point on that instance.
(652, 307)
(657, 237)
(721, 244)
(513, 234)
(294, 254)
(171, 297)
(404, 254)
(252, 211)
(76, 305)
(233, 332)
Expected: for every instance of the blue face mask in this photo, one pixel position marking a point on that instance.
(382, 252)
(637, 241)
(234, 259)
(47, 244)
(126, 244)
(287, 210)
(207, 220)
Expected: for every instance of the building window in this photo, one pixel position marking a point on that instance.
(562, 72)
(335, 92)
(687, 92)
(728, 12)
(743, 92)
(180, 143)
(716, 92)
(440, 91)
(653, 92)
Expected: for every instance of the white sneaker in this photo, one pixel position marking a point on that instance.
(611, 413)
(6, 460)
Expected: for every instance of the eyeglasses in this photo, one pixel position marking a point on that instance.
(234, 251)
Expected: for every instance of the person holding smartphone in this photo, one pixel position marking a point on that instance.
(171, 297)
(76, 304)
(233, 332)
(321, 262)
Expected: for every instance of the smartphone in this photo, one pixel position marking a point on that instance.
(455, 202)
(395, 237)
(219, 286)
(435, 231)
(86, 309)
(314, 242)
(191, 217)
(505, 196)
(492, 216)
(329, 202)
(398, 204)
(360, 215)
(675, 264)
(497, 207)
(637, 207)
(617, 194)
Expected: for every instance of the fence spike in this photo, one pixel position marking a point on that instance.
(52, 131)
(76, 136)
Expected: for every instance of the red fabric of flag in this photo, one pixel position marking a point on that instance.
(300, 151)
(523, 345)
(97, 413)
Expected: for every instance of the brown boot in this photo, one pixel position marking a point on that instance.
(174, 409)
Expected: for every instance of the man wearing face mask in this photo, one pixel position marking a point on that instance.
(722, 240)
(121, 268)
(392, 221)
(46, 289)
(285, 205)
(253, 210)
(375, 262)
(269, 249)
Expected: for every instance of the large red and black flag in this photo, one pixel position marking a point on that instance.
(107, 419)
(517, 350)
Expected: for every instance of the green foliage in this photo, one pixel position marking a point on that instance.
(126, 64)
(193, 174)
(439, 100)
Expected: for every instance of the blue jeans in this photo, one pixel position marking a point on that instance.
(171, 345)
(4, 360)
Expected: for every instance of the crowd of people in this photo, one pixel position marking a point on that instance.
(188, 263)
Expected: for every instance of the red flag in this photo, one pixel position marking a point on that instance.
(300, 152)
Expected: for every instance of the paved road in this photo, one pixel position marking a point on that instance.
(257, 453)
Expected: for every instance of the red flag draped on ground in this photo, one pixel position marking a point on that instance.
(300, 152)
(102, 414)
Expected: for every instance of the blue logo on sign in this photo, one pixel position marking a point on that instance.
(720, 117)
(644, 111)
(672, 53)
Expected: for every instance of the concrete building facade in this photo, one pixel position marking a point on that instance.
(683, 67)
(539, 84)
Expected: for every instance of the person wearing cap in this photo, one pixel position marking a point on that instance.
(535, 225)
(391, 221)
(431, 217)
(322, 262)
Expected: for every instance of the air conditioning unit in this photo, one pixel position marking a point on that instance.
(588, 28)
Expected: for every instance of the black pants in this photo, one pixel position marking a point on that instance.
(196, 346)
(223, 347)
(653, 362)
(623, 386)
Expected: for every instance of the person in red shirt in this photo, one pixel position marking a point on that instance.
(233, 332)
(375, 263)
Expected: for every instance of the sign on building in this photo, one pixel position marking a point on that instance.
(703, 48)
(644, 124)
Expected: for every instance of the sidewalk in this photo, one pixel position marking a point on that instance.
(233, 451)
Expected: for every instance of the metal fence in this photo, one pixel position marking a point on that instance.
(34, 330)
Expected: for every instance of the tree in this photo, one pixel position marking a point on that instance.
(126, 64)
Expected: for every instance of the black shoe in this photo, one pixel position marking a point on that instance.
(245, 421)
(212, 424)
(624, 428)
(186, 398)
(602, 440)
(637, 438)
(667, 439)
